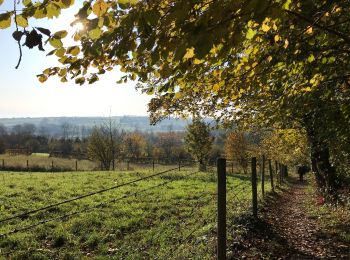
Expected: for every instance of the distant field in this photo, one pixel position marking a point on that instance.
(174, 220)
(43, 160)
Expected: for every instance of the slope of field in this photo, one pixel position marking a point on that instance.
(171, 214)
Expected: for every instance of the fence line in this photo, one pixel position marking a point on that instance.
(25, 214)
(237, 199)
(16, 230)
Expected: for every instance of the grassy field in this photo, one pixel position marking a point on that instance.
(173, 215)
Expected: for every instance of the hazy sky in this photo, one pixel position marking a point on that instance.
(22, 95)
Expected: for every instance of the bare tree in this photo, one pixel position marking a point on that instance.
(103, 144)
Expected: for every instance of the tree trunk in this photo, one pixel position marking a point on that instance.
(325, 173)
(202, 166)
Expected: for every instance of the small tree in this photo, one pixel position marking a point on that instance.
(103, 144)
(237, 149)
(134, 145)
(199, 142)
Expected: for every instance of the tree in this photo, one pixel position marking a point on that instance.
(199, 142)
(167, 146)
(237, 149)
(134, 145)
(103, 144)
(280, 64)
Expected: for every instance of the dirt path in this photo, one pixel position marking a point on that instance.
(285, 231)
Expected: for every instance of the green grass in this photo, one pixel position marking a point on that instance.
(334, 219)
(153, 224)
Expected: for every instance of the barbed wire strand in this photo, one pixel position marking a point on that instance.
(16, 230)
(25, 214)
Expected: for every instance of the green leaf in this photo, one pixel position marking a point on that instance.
(287, 4)
(56, 43)
(60, 52)
(5, 20)
(95, 33)
(26, 2)
(60, 34)
(311, 58)
(21, 21)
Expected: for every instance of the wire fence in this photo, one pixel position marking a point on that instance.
(206, 206)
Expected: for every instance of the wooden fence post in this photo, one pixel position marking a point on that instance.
(179, 165)
(153, 165)
(232, 167)
(52, 166)
(3, 163)
(280, 172)
(271, 176)
(263, 176)
(221, 240)
(76, 165)
(27, 165)
(127, 167)
(254, 189)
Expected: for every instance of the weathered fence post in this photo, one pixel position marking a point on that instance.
(221, 171)
(127, 165)
(76, 165)
(3, 164)
(280, 168)
(52, 166)
(276, 171)
(179, 165)
(271, 176)
(153, 165)
(254, 189)
(27, 165)
(263, 176)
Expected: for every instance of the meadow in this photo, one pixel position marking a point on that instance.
(170, 215)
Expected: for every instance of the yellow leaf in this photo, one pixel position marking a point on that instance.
(216, 88)
(75, 50)
(250, 34)
(269, 58)
(189, 54)
(308, 89)
(277, 38)
(60, 34)
(95, 33)
(99, 8)
(21, 21)
(5, 21)
(265, 27)
(178, 95)
(42, 78)
(60, 52)
(57, 43)
(309, 30)
(286, 43)
(197, 61)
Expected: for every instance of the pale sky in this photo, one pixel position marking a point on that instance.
(22, 95)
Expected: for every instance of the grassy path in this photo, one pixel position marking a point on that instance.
(290, 228)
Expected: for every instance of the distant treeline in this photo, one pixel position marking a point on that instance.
(80, 126)
(73, 142)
